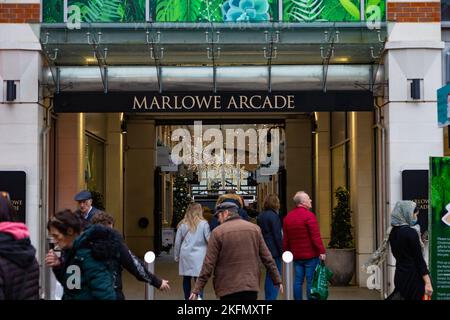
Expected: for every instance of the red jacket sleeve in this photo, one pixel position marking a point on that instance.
(314, 232)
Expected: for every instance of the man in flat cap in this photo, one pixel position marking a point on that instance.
(85, 208)
(235, 249)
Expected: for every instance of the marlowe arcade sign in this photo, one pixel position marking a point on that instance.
(136, 102)
(214, 102)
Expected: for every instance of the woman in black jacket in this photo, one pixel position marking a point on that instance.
(128, 261)
(19, 269)
(411, 280)
(270, 224)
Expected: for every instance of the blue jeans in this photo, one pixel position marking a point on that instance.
(304, 268)
(187, 287)
(270, 290)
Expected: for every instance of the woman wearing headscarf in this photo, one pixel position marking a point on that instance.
(412, 280)
(191, 243)
(19, 269)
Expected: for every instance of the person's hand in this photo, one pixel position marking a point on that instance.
(164, 285)
(193, 296)
(428, 289)
(280, 286)
(52, 260)
(322, 257)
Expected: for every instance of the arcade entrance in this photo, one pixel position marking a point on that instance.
(205, 159)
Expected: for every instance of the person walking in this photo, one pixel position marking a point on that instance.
(230, 197)
(85, 208)
(191, 242)
(235, 250)
(301, 236)
(412, 278)
(270, 224)
(86, 270)
(19, 269)
(128, 261)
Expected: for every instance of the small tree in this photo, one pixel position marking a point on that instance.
(97, 200)
(181, 199)
(341, 226)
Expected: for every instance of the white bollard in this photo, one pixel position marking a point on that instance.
(149, 259)
(288, 259)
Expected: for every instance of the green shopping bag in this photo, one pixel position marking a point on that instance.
(322, 275)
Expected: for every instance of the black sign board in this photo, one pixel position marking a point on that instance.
(281, 102)
(415, 188)
(15, 183)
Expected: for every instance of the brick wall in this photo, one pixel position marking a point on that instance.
(19, 13)
(414, 11)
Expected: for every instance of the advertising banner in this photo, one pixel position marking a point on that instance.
(220, 11)
(443, 107)
(439, 227)
(415, 188)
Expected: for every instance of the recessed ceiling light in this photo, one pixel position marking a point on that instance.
(342, 59)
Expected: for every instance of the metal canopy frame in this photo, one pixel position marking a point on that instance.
(226, 45)
(101, 58)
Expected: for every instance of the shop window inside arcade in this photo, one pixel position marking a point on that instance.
(94, 172)
(339, 152)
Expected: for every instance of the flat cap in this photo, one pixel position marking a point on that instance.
(83, 195)
(226, 206)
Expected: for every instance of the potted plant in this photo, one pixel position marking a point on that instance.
(341, 248)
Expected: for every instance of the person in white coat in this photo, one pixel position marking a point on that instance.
(191, 243)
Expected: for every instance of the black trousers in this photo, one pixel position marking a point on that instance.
(242, 295)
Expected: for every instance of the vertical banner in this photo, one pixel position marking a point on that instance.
(439, 226)
(14, 182)
(415, 188)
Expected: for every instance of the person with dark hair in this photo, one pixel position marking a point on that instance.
(86, 271)
(19, 269)
(128, 261)
(270, 225)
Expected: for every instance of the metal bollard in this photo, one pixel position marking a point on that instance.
(149, 259)
(288, 257)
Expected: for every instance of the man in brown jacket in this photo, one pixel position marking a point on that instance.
(235, 248)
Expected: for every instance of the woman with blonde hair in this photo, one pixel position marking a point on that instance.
(191, 243)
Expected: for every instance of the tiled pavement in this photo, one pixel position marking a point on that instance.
(166, 268)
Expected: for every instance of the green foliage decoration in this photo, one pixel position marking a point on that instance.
(53, 11)
(111, 10)
(341, 227)
(181, 199)
(97, 200)
(440, 184)
(305, 10)
(178, 10)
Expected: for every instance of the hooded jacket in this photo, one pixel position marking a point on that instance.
(89, 268)
(19, 270)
